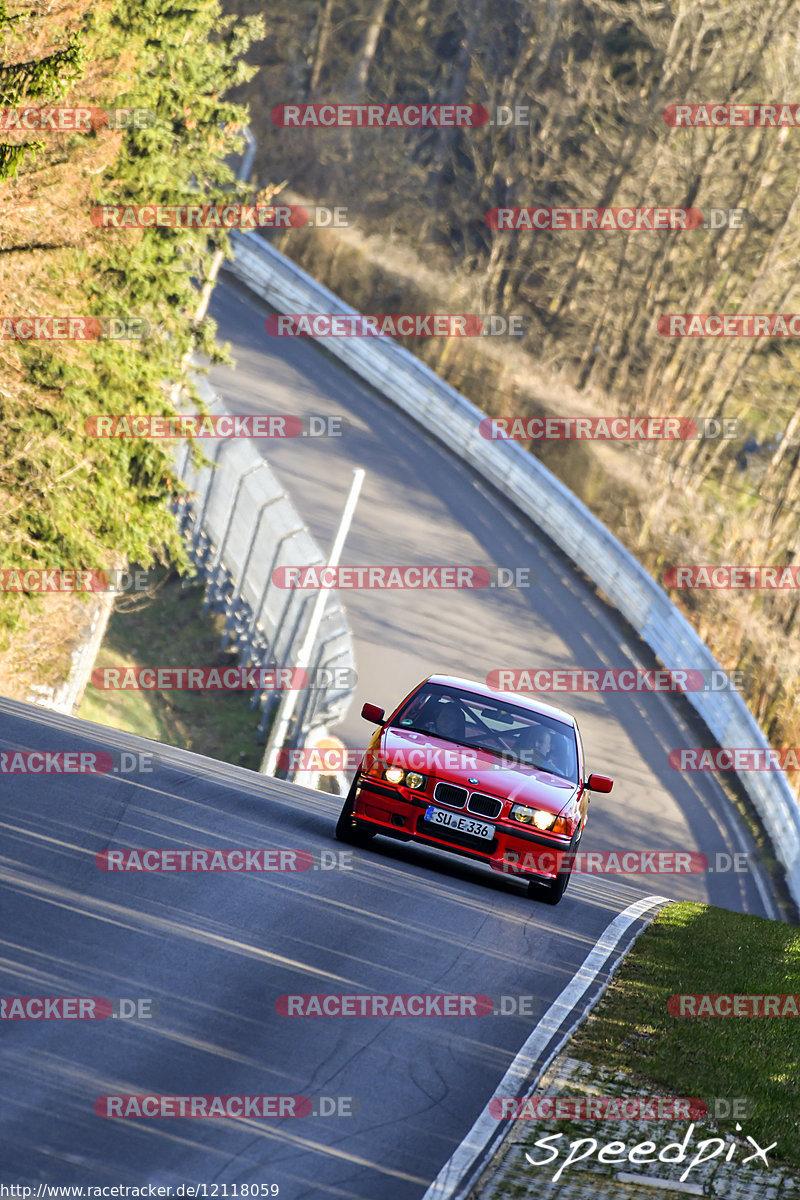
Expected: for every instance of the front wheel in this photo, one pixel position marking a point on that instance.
(551, 892)
(348, 829)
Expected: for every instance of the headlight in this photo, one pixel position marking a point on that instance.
(532, 816)
(397, 775)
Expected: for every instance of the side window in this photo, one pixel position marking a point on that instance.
(410, 715)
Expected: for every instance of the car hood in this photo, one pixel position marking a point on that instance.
(458, 764)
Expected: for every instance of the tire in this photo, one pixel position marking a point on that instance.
(551, 893)
(348, 829)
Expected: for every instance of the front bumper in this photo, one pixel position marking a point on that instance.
(400, 813)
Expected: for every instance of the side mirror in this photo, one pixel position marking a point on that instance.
(599, 783)
(371, 712)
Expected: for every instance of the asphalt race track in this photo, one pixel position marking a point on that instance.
(215, 951)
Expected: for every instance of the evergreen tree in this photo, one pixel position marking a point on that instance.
(38, 80)
(81, 501)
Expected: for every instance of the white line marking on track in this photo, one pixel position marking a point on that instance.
(474, 1144)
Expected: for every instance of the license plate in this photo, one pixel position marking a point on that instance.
(438, 816)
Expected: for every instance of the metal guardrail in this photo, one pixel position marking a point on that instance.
(240, 525)
(449, 416)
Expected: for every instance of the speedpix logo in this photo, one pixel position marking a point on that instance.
(645, 1152)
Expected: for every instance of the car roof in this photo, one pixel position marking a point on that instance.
(480, 689)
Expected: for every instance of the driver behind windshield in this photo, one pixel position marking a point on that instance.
(535, 749)
(450, 722)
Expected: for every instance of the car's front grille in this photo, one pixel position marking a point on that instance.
(484, 806)
(448, 793)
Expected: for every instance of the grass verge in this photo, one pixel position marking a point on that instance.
(166, 628)
(694, 948)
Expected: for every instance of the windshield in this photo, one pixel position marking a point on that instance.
(495, 726)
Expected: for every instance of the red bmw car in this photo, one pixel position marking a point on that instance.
(491, 775)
